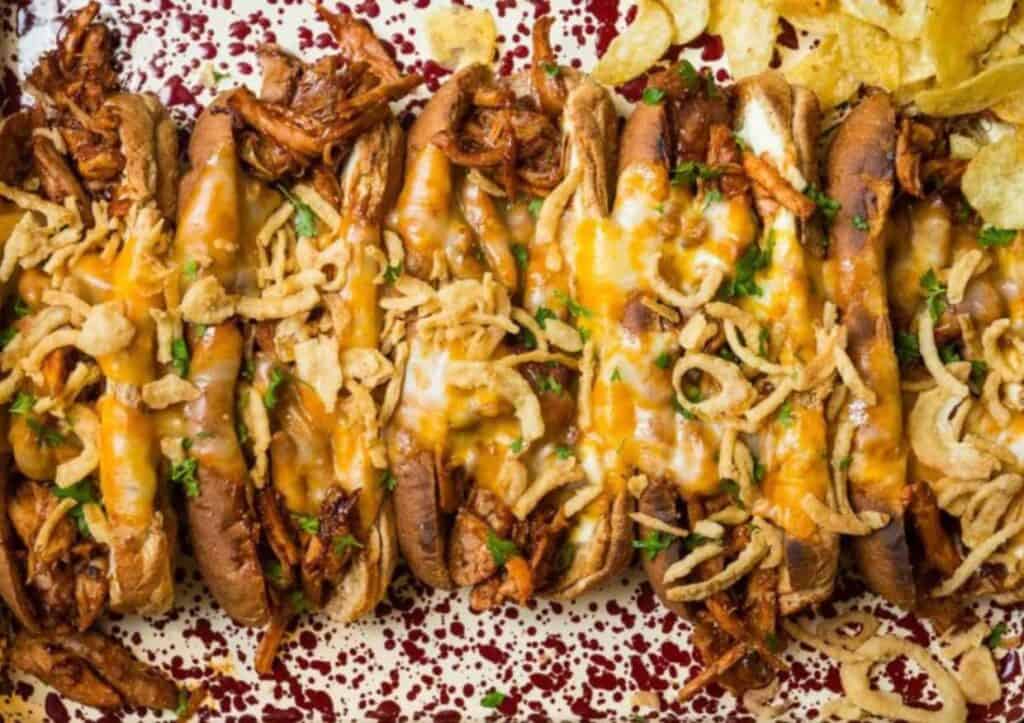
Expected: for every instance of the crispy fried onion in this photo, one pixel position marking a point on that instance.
(748, 559)
(991, 399)
(294, 295)
(930, 354)
(1007, 362)
(654, 523)
(106, 330)
(936, 426)
(980, 504)
(551, 211)
(682, 568)
(170, 389)
(37, 554)
(966, 265)
(168, 328)
(588, 369)
(563, 336)
(979, 678)
(317, 364)
(78, 307)
(838, 515)
(977, 558)
(506, 382)
(735, 393)
(527, 321)
(33, 240)
(557, 473)
(711, 279)
(957, 642)
(86, 426)
(759, 702)
(697, 332)
(856, 678)
(256, 420)
(206, 302)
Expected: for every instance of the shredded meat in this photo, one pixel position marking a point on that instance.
(310, 113)
(725, 156)
(514, 139)
(939, 549)
(58, 180)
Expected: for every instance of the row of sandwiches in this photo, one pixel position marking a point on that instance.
(518, 345)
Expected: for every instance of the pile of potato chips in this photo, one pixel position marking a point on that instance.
(947, 57)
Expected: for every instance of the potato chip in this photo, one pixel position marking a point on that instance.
(460, 36)
(1011, 110)
(869, 54)
(690, 17)
(954, 35)
(638, 47)
(904, 21)
(916, 64)
(993, 181)
(995, 10)
(748, 29)
(821, 70)
(813, 16)
(997, 83)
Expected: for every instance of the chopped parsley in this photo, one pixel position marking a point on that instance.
(712, 196)
(731, 487)
(343, 542)
(584, 333)
(307, 523)
(46, 436)
(275, 572)
(759, 471)
(521, 254)
(692, 393)
(694, 540)
(190, 270)
(548, 383)
(726, 353)
(184, 473)
(845, 462)
(686, 174)
(754, 259)
(990, 236)
(711, 85)
(682, 411)
(277, 378)
(907, 348)
(493, 699)
(182, 706)
(23, 403)
(772, 641)
(392, 274)
(663, 360)
(762, 342)
(180, 357)
(860, 223)
(563, 452)
(935, 294)
(305, 219)
(21, 308)
(388, 480)
(575, 309)
(500, 548)
(551, 69)
(995, 637)
(653, 96)
(786, 414)
(516, 446)
(543, 314)
(689, 74)
(82, 493)
(616, 375)
(535, 206)
(979, 370)
(652, 543)
(298, 602)
(6, 336)
(828, 207)
(218, 76)
(949, 354)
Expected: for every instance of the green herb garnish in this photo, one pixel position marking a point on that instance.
(652, 543)
(500, 548)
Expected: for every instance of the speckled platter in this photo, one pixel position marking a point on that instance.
(423, 655)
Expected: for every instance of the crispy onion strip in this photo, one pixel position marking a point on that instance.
(965, 266)
(830, 520)
(680, 569)
(745, 562)
(977, 558)
(930, 355)
(557, 474)
(856, 677)
(735, 392)
(711, 279)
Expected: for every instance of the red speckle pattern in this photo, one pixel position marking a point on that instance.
(424, 654)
